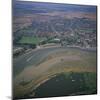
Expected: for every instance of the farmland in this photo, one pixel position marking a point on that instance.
(71, 27)
(31, 40)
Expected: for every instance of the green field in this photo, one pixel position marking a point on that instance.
(31, 40)
(87, 30)
(71, 83)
